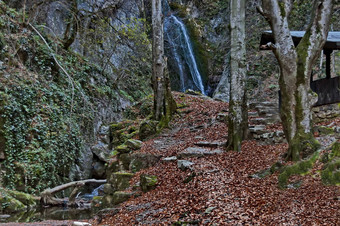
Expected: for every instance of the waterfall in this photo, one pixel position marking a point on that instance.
(181, 50)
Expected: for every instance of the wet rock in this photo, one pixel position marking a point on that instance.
(198, 152)
(148, 182)
(134, 144)
(147, 129)
(120, 180)
(184, 165)
(169, 159)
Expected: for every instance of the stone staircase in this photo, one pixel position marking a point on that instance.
(261, 115)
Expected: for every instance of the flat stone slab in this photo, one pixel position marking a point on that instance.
(209, 144)
(169, 159)
(198, 152)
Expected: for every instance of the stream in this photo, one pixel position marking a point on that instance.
(57, 213)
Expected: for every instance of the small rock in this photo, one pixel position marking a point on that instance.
(208, 144)
(184, 164)
(209, 210)
(169, 159)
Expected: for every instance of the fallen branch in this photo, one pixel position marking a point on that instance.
(47, 199)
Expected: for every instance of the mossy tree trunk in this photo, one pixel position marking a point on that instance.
(238, 113)
(296, 64)
(164, 104)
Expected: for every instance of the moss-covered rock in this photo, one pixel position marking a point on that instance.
(26, 199)
(331, 171)
(134, 144)
(115, 199)
(125, 160)
(123, 149)
(147, 129)
(120, 180)
(141, 161)
(325, 130)
(148, 182)
(9, 204)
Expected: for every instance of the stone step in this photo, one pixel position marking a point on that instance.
(210, 144)
(198, 152)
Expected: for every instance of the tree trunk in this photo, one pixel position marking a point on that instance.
(296, 64)
(163, 101)
(46, 196)
(238, 113)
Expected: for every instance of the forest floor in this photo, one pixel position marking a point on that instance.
(218, 189)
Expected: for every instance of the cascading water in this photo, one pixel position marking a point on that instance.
(181, 51)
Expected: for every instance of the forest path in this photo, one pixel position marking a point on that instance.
(217, 188)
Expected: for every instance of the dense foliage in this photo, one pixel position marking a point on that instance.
(47, 113)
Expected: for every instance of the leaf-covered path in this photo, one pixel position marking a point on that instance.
(219, 189)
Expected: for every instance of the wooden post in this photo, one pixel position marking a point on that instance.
(328, 53)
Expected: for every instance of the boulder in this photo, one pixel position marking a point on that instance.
(134, 144)
(116, 198)
(147, 129)
(24, 198)
(99, 169)
(122, 149)
(148, 182)
(102, 151)
(141, 161)
(120, 180)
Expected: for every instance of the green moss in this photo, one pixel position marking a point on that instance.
(331, 171)
(24, 198)
(299, 168)
(282, 9)
(120, 180)
(148, 182)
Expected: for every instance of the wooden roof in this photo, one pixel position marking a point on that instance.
(332, 43)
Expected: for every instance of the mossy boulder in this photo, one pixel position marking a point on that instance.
(325, 130)
(113, 167)
(125, 160)
(115, 199)
(9, 204)
(147, 129)
(122, 149)
(331, 171)
(141, 161)
(120, 180)
(148, 182)
(26, 199)
(134, 144)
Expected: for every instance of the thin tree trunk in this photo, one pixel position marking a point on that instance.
(158, 58)
(164, 104)
(296, 64)
(238, 114)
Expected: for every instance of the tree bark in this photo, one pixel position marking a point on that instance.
(296, 64)
(238, 113)
(163, 100)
